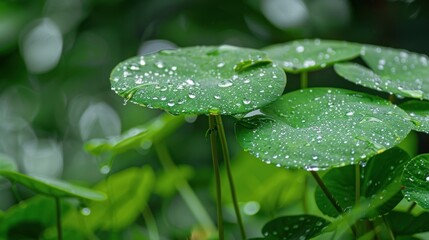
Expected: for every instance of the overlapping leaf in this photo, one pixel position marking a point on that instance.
(319, 128)
(309, 55)
(294, 227)
(415, 180)
(381, 171)
(200, 80)
(419, 113)
(393, 70)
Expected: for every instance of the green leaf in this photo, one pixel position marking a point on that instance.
(309, 55)
(415, 180)
(294, 227)
(128, 192)
(403, 223)
(419, 113)
(380, 171)
(7, 164)
(394, 71)
(53, 187)
(155, 130)
(200, 80)
(320, 128)
(30, 218)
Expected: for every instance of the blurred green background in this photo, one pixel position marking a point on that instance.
(55, 61)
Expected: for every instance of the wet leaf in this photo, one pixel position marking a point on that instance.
(419, 113)
(200, 80)
(294, 227)
(415, 180)
(393, 71)
(309, 55)
(403, 223)
(380, 171)
(53, 187)
(320, 128)
(156, 129)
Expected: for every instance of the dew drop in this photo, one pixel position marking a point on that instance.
(427, 178)
(299, 49)
(105, 169)
(225, 84)
(159, 64)
(246, 101)
(350, 114)
(217, 97)
(171, 104)
(192, 96)
(190, 82)
(85, 211)
(309, 63)
(142, 62)
(219, 65)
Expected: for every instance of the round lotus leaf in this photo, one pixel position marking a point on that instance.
(320, 128)
(395, 71)
(415, 180)
(309, 55)
(200, 80)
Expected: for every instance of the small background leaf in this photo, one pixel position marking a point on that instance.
(309, 55)
(319, 128)
(200, 80)
(415, 180)
(294, 227)
(381, 171)
(393, 71)
(419, 113)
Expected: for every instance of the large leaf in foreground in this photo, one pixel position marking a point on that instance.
(53, 187)
(381, 171)
(416, 180)
(294, 227)
(309, 55)
(319, 128)
(403, 224)
(393, 70)
(419, 113)
(200, 80)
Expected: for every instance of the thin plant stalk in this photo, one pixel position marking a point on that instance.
(215, 158)
(225, 152)
(151, 224)
(357, 186)
(304, 80)
(58, 218)
(188, 195)
(326, 191)
(411, 207)
(329, 195)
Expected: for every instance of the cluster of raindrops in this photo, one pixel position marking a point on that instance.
(415, 180)
(304, 55)
(200, 80)
(315, 129)
(395, 71)
(294, 227)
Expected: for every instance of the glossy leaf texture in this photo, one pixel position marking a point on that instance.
(200, 80)
(381, 174)
(320, 128)
(128, 192)
(311, 54)
(394, 71)
(156, 129)
(419, 113)
(294, 227)
(415, 180)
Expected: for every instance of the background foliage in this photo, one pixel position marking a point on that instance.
(55, 61)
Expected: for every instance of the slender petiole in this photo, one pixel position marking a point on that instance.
(304, 80)
(225, 152)
(215, 158)
(58, 220)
